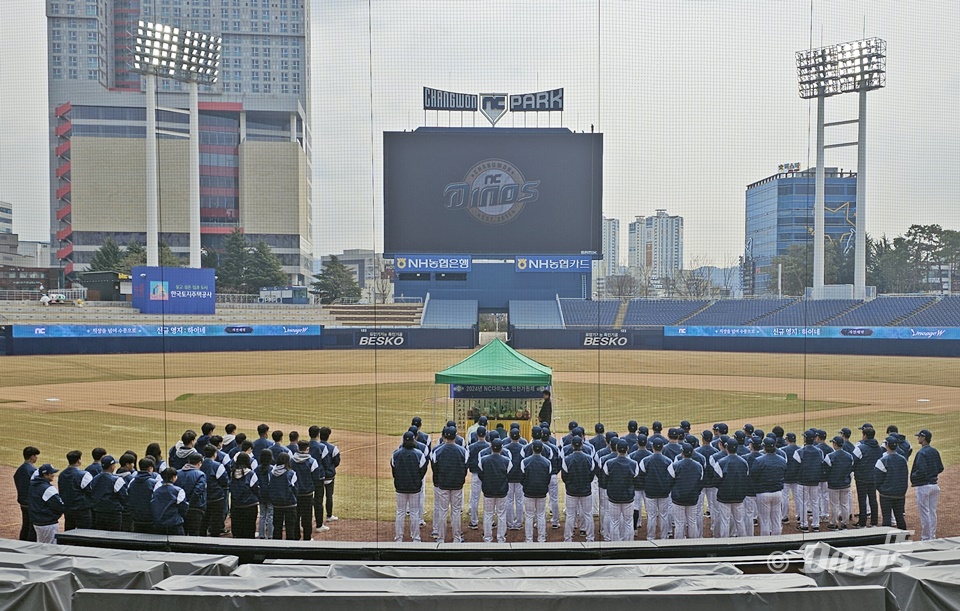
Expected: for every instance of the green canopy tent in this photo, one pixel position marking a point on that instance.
(498, 382)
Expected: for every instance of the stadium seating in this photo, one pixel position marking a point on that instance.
(944, 313)
(659, 312)
(807, 312)
(579, 313)
(450, 314)
(880, 312)
(736, 311)
(535, 314)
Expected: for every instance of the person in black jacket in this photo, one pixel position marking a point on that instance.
(21, 480)
(927, 466)
(493, 470)
(330, 462)
(140, 496)
(865, 457)
(546, 410)
(45, 505)
(265, 521)
(892, 478)
(282, 491)
(244, 498)
(408, 465)
(218, 486)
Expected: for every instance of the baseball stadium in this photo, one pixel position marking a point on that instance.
(484, 407)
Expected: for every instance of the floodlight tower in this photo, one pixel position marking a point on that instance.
(193, 58)
(858, 66)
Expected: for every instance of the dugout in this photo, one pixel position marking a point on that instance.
(497, 382)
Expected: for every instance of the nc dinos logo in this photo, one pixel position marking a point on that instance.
(493, 192)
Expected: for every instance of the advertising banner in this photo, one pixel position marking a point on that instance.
(381, 339)
(818, 332)
(485, 391)
(605, 339)
(432, 263)
(542, 263)
(174, 290)
(61, 331)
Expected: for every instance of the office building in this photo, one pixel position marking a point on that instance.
(6, 217)
(254, 134)
(779, 214)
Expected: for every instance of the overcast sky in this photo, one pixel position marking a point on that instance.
(696, 98)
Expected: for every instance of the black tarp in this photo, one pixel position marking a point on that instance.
(35, 590)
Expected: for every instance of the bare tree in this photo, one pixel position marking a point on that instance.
(383, 279)
(644, 277)
(622, 287)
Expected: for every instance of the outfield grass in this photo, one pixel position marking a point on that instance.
(387, 408)
(34, 370)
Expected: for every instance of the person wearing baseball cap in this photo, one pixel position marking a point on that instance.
(892, 479)
(577, 472)
(687, 476)
(767, 473)
(638, 496)
(493, 470)
(601, 457)
(408, 466)
(631, 436)
(449, 464)
(473, 466)
(656, 490)
(514, 449)
(927, 466)
(865, 457)
(903, 445)
(791, 487)
(839, 470)
(810, 459)
(535, 484)
(733, 474)
(45, 504)
(708, 451)
(621, 473)
(108, 495)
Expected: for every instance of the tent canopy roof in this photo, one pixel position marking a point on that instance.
(496, 364)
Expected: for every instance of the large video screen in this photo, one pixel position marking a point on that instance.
(498, 192)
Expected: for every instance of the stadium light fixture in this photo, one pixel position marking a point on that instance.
(186, 56)
(858, 66)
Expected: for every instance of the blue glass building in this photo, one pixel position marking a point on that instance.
(779, 214)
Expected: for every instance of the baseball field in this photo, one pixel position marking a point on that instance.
(367, 397)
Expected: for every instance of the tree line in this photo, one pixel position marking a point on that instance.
(908, 263)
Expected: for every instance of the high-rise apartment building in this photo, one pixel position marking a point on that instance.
(610, 248)
(779, 214)
(254, 133)
(656, 244)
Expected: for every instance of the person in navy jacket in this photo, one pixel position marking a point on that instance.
(479, 444)
(493, 470)
(244, 498)
(408, 466)
(330, 462)
(577, 474)
(810, 459)
(449, 464)
(621, 473)
(514, 477)
(95, 468)
(21, 480)
(309, 478)
(321, 453)
(707, 450)
(656, 491)
(687, 477)
(767, 473)
(839, 468)
(179, 453)
(45, 505)
(865, 456)
(734, 479)
(790, 486)
(892, 478)
(638, 485)
(282, 491)
(74, 485)
(927, 467)
(108, 496)
(218, 486)
(169, 505)
(140, 496)
(194, 483)
(535, 484)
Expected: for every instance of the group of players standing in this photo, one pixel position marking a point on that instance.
(742, 480)
(266, 487)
